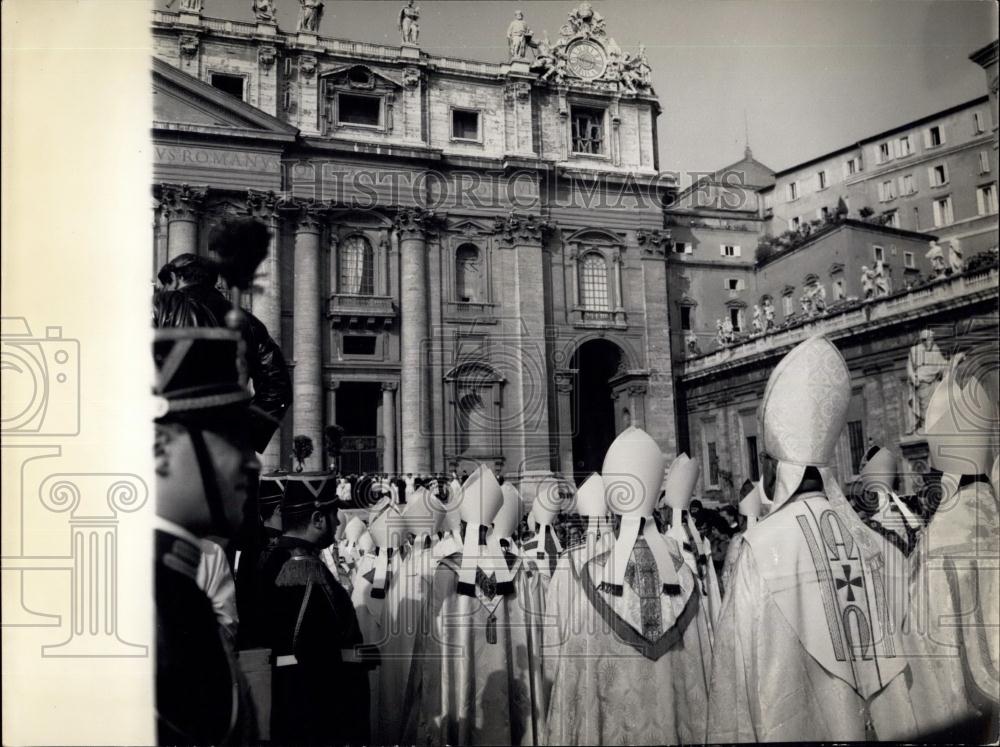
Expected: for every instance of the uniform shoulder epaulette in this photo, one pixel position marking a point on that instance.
(302, 570)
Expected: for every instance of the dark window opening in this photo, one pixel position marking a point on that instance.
(685, 318)
(464, 125)
(358, 345)
(753, 458)
(359, 110)
(231, 84)
(588, 130)
(856, 436)
(713, 464)
(734, 318)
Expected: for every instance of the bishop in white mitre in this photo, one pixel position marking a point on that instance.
(954, 620)
(630, 654)
(474, 663)
(806, 647)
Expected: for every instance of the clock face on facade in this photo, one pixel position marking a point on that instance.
(586, 60)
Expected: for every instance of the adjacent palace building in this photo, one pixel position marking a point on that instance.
(490, 262)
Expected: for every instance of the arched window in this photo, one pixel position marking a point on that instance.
(473, 424)
(594, 282)
(357, 267)
(468, 274)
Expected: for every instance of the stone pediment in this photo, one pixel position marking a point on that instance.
(359, 77)
(181, 101)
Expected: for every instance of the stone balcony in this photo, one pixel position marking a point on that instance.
(944, 294)
(594, 319)
(355, 311)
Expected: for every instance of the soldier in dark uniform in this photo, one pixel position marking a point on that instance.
(204, 465)
(260, 564)
(320, 680)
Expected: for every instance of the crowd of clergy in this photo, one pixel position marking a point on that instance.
(462, 611)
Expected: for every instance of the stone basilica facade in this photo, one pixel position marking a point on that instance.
(468, 260)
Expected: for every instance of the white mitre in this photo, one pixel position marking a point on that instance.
(878, 476)
(509, 516)
(960, 422)
(547, 503)
(803, 413)
(388, 532)
(424, 515)
(365, 542)
(480, 501)
(349, 544)
(592, 505)
(750, 505)
(632, 473)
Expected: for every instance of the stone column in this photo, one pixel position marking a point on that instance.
(307, 327)
(266, 304)
(389, 425)
(412, 226)
(526, 412)
(181, 207)
(565, 379)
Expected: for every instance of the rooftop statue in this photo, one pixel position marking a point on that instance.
(518, 37)
(263, 10)
(310, 15)
(409, 23)
(925, 366)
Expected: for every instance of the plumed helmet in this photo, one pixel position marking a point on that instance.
(680, 481)
(481, 497)
(633, 473)
(506, 521)
(804, 408)
(879, 473)
(354, 529)
(959, 424)
(590, 499)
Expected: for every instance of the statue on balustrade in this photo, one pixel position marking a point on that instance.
(956, 262)
(518, 37)
(310, 15)
(936, 257)
(807, 305)
(263, 10)
(409, 23)
(757, 321)
(867, 282)
(925, 366)
(768, 314)
(883, 283)
(190, 6)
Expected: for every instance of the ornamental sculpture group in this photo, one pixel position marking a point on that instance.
(583, 51)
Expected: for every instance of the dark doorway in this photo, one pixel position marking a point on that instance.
(593, 409)
(357, 413)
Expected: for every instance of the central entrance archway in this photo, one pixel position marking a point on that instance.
(594, 426)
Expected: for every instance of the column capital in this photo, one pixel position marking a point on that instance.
(565, 378)
(653, 242)
(390, 386)
(181, 201)
(515, 229)
(415, 223)
(308, 215)
(263, 204)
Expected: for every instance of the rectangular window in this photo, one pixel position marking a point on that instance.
(734, 284)
(730, 250)
(464, 124)
(887, 191)
(892, 219)
(787, 304)
(986, 199)
(822, 180)
(934, 136)
(823, 213)
(852, 166)
(856, 438)
(793, 191)
(753, 458)
(909, 260)
(984, 162)
(879, 253)
(795, 223)
(736, 318)
(943, 215)
(884, 153)
(838, 289)
(231, 84)
(978, 122)
(588, 130)
(916, 218)
(365, 111)
(713, 464)
(907, 185)
(903, 146)
(938, 175)
(683, 247)
(359, 345)
(686, 318)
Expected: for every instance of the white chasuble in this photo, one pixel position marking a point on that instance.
(807, 647)
(476, 677)
(953, 639)
(629, 669)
